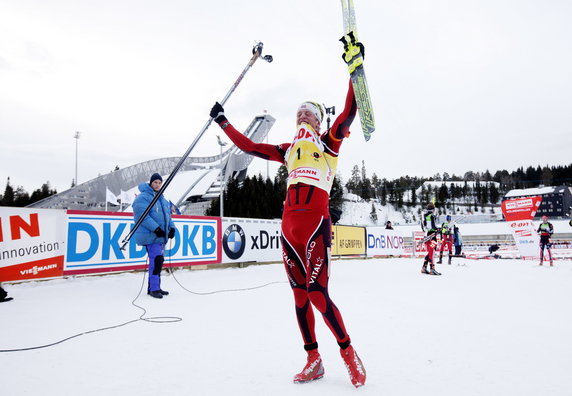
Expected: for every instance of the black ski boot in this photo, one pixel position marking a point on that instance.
(433, 272)
(4, 295)
(155, 293)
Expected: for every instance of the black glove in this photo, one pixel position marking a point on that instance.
(159, 232)
(171, 233)
(217, 113)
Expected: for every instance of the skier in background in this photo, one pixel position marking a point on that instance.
(492, 250)
(457, 240)
(545, 230)
(428, 225)
(446, 239)
(311, 159)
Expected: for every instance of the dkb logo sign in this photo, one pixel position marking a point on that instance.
(234, 241)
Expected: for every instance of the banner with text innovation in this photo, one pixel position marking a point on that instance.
(247, 240)
(348, 241)
(382, 242)
(95, 239)
(519, 213)
(32, 243)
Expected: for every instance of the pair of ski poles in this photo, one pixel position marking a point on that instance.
(256, 53)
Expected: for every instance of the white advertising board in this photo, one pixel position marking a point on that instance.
(247, 240)
(382, 242)
(32, 243)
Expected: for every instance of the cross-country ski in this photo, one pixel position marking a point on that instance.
(353, 56)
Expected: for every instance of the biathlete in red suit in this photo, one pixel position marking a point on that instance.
(311, 159)
(428, 224)
(446, 239)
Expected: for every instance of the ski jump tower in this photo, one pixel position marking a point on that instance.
(197, 182)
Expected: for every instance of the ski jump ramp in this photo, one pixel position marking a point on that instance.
(198, 180)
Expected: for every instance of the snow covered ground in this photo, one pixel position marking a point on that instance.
(487, 327)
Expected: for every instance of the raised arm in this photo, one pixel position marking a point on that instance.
(262, 150)
(341, 128)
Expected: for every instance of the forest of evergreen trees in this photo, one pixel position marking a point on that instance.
(403, 191)
(20, 198)
(258, 198)
(262, 198)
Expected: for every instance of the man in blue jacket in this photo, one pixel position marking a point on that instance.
(154, 230)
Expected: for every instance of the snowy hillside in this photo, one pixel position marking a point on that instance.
(357, 211)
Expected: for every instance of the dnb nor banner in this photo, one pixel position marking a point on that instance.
(348, 241)
(95, 239)
(32, 243)
(382, 242)
(248, 240)
(519, 213)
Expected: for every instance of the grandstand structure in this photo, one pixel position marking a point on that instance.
(198, 181)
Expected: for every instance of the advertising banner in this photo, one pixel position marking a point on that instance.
(526, 239)
(519, 213)
(418, 247)
(247, 240)
(348, 240)
(32, 243)
(382, 242)
(95, 239)
(520, 208)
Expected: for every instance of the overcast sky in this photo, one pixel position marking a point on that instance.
(456, 85)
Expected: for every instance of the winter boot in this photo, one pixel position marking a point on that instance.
(354, 365)
(164, 292)
(3, 293)
(433, 272)
(155, 293)
(424, 270)
(440, 259)
(313, 370)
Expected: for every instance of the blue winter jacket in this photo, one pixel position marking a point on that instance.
(159, 216)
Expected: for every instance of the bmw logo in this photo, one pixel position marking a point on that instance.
(234, 241)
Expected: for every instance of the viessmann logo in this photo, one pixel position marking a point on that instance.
(35, 270)
(234, 241)
(524, 203)
(309, 173)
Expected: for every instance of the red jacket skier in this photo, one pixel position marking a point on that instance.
(446, 239)
(311, 159)
(428, 224)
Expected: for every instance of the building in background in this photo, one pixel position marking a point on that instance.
(556, 200)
